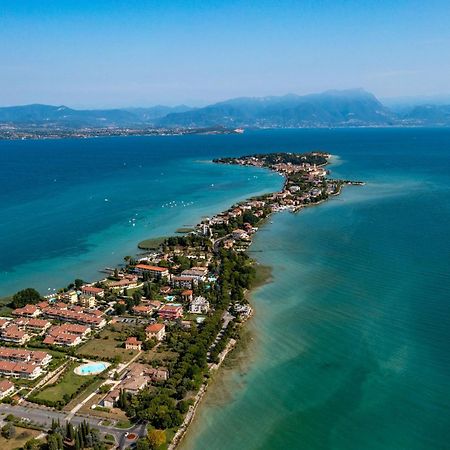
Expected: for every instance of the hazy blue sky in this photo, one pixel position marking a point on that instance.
(120, 53)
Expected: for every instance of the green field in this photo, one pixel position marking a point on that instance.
(151, 244)
(69, 384)
(107, 346)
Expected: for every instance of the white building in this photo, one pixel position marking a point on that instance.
(199, 306)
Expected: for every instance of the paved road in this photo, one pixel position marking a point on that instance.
(45, 416)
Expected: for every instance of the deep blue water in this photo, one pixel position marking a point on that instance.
(350, 347)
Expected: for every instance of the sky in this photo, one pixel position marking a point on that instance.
(91, 54)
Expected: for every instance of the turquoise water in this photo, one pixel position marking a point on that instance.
(92, 368)
(350, 340)
(69, 208)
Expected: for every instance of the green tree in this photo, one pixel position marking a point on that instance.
(24, 297)
(32, 444)
(8, 430)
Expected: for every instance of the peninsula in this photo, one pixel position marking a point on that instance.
(124, 361)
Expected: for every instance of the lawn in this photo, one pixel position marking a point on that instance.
(106, 346)
(22, 435)
(69, 384)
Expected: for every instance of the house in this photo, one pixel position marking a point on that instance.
(37, 326)
(199, 306)
(63, 339)
(156, 330)
(228, 243)
(197, 273)
(69, 296)
(71, 328)
(15, 335)
(27, 311)
(110, 399)
(186, 295)
(143, 310)
(37, 357)
(165, 290)
(171, 311)
(158, 375)
(133, 344)
(19, 370)
(183, 282)
(89, 290)
(6, 388)
(239, 234)
(87, 301)
(154, 271)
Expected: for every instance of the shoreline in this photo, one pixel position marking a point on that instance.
(220, 247)
(265, 277)
(234, 346)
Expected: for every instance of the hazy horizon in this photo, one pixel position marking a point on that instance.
(115, 54)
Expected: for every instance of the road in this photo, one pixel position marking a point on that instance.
(45, 416)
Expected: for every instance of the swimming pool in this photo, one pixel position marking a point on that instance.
(91, 368)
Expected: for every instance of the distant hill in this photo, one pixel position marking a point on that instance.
(62, 116)
(432, 115)
(329, 109)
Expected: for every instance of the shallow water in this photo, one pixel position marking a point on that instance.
(350, 338)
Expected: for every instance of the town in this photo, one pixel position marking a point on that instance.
(127, 359)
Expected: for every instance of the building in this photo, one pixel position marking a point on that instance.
(183, 282)
(156, 331)
(15, 335)
(239, 234)
(63, 339)
(197, 273)
(143, 310)
(21, 355)
(89, 290)
(133, 344)
(6, 388)
(27, 311)
(87, 301)
(154, 271)
(72, 328)
(19, 370)
(69, 296)
(199, 306)
(171, 311)
(186, 295)
(158, 375)
(111, 398)
(36, 326)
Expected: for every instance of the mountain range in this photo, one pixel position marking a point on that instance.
(328, 109)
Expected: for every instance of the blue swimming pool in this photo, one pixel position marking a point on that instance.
(91, 368)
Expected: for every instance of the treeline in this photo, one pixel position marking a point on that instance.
(165, 406)
(67, 436)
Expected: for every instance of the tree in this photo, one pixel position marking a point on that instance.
(32, 444)
(78, 283)
(142, 444)
(156, 438)
(26, 296)
(8, 431)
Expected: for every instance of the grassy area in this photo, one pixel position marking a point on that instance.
(184, 230)
(88, 391)
(151, 244)
(108, 345)
(123, 424)
(68, 385)
(18, 441)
